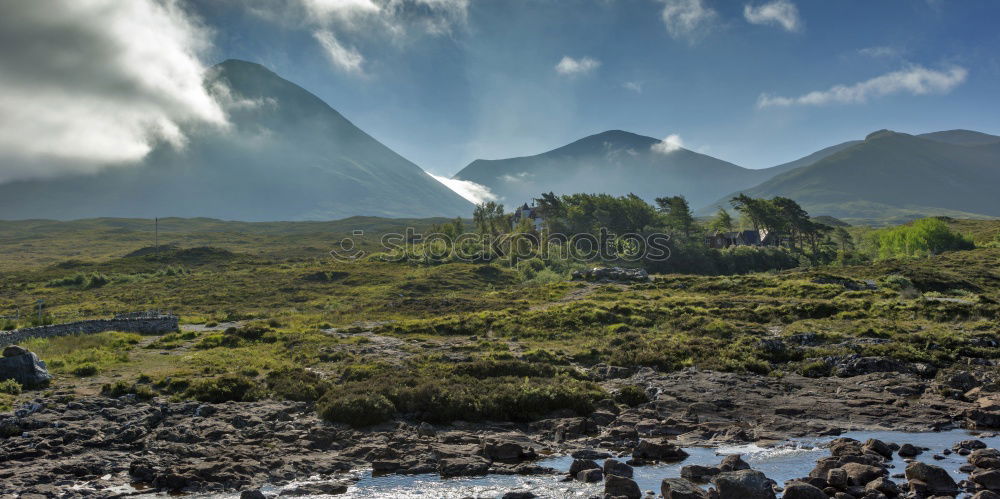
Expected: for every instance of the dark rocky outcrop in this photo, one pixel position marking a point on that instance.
(24, 367)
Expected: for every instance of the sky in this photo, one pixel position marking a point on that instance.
(87, 83)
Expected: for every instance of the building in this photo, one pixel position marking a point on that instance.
(740, 238)
(526, 212)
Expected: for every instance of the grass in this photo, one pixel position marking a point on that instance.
(368, 341)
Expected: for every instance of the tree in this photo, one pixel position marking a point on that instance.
(843, 239)
(722, 222)
(677, 214)
(489, 218)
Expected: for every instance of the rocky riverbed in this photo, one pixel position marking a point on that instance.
(60, 445)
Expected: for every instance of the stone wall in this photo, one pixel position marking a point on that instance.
(146, 324)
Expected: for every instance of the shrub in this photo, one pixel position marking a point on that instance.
(10, 387)
(83, 370)
(121, 388)
(631, 395)
(225, 388)
(296, 383)
(355, 409)
(923, 237)
(816, 369)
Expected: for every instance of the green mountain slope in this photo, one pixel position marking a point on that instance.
(286, 156)
(893, 176)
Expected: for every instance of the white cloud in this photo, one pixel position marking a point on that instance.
(476, 193)
(517, 177)
(355, 21)
(635, 86)
(347, 59)
(877, 52)
(916, 80)
(777, 12)
(571, 67)
(687, 19)
(668, 145)
(91, 83)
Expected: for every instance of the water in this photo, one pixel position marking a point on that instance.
(793, 459)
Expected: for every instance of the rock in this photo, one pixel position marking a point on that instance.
(315, 489)
(24, 367)
(733, 462)
(590, 454)
(619, 486)
(883, 485)
(800, 490)
(582, 464)
(970, 445)
(463, 466)
(506, 452)
(590, 476)
(846, 447)
(985, 458)
(699, 474)
(679, 488)
(989, 479)
(986, 494)
(837, 478)
(937, 480)
(615, 467)
(252, 494)
(879, 447)
(660, 451)
(519, 494)
(743, 484)
(907, 450)
(861, 474)
(426, 430)
(962, 380)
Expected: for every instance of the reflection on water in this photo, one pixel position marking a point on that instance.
(783, 462)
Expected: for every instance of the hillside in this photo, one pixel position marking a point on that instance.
(614, 162)
(894, 176)
(286, 156)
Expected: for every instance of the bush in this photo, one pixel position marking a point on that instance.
(121, 388)
(816, 369)
(631, 395)
(83, 370)
(355, 409)
(225, 388)
(10, 387)
(923, 237)
(296, 383)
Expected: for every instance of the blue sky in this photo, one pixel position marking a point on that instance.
(488, 86)
(444, 82)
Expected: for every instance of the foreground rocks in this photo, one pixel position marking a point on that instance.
(24, 367)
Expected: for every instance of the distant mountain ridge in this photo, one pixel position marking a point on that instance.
(896, 176)
(615, 162)
(287, 156)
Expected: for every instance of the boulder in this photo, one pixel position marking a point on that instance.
(619, 486)
(908, 450)
(743, 484)
(463, 466)
(315, 489)
(873, 446)
(989, 479)
(699, 474)
(590, 476)
(861, 474)
(937, 480)
(506, 452)
(800, 490)
(519, 494)
(659, 451)
(582, 464)
(252, 494)
(615, 467)
(985, 458)
(883, 485)
(679, 488)
(24, 367)
(986, 494)
(733, 462)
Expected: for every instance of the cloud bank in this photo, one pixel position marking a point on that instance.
(668, 145)
(91, 83)
(571, 67)
(687, 19)
(915, 80)
(781, 13)
(347, 59)
(471, 191)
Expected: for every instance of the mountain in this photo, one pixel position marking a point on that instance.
(961, 137)
(613, 162)
(893, 176)
(807, 160)
(286, 155)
